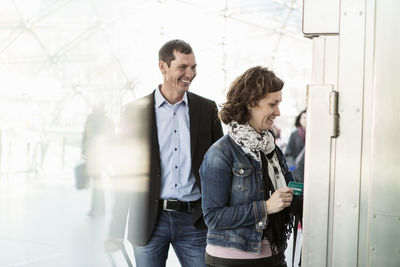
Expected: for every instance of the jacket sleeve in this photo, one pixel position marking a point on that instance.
(124, 174)
(217, 132)
(122, 198)
(119, 214)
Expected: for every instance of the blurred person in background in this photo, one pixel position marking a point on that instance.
(98, 131)
(295, 148)
(182, 127)
(247, 205)
(278, 138)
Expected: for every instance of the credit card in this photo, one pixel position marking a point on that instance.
(297, 188)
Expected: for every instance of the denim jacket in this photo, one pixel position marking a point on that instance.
(233, 196)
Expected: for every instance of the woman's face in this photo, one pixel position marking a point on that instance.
(263, 114)
(303, 120)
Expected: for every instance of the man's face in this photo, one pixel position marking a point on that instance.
(179, 75)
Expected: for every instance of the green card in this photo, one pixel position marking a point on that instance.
(297, 188)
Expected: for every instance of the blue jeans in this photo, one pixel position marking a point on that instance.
(174, 228)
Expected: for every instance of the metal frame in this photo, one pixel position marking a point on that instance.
(351, 211)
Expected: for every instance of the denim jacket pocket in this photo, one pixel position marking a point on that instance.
(241, 175)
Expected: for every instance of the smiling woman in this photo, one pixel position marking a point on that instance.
(263, 114)
(246, 201)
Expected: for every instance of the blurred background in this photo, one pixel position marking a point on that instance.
(59, 58)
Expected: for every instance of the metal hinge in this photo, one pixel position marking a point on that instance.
(334, 113)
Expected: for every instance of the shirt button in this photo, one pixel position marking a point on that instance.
(176, 167)
(260, 224)
(241, 171)
(174, 131)
(176, 149)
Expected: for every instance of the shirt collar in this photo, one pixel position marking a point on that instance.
(160, 100)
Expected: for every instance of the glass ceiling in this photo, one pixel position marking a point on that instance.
(59, 57)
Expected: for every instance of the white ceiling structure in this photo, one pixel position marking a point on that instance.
(58, 57)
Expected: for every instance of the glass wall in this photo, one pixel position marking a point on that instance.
(59, 58)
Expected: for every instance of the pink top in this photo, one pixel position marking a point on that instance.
(234, 253)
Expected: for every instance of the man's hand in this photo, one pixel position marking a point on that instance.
(279, 200)
(113, 244)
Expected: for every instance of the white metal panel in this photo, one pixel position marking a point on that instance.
(366, 156)
(385, 174)
(321, 17)
(385, 236)
(361, 222)
(320, 152)
(331, 60)
(348, 144)
(318, 60)
(316, 186)
(330, 77)
(325, 60)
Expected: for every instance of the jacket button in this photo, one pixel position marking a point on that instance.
(260, 224)
(241, 171)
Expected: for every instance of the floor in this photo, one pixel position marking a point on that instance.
(43, 223)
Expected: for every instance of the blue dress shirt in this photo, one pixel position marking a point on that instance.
(173, 128)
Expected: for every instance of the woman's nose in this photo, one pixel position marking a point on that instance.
(277, 111)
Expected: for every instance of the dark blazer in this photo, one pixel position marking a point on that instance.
(205, 129)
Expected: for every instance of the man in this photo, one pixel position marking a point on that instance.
(182, 126)
(98, 132)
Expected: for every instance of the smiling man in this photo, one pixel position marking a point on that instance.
(182, 127)
(178, 72)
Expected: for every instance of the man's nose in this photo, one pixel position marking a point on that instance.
(190, 73)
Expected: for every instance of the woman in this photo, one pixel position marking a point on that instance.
(294, 152)
(245, 200)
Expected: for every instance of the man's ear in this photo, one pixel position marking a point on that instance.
(162, 65)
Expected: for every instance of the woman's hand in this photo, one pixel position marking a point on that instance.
(279, 200)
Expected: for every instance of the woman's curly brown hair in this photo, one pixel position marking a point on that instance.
(246, 90)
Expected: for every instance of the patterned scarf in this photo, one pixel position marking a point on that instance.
(252, 143)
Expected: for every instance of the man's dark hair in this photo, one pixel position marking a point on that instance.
(166, 52)
(247, 90)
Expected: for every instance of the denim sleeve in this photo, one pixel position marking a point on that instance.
(216, 179)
